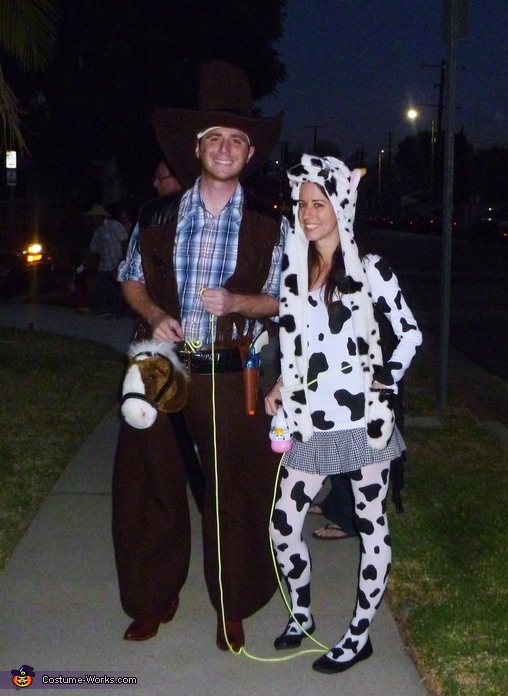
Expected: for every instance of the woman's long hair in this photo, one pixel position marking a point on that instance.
(335, 279)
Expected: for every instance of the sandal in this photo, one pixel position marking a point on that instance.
(315, 509)
(330, 532)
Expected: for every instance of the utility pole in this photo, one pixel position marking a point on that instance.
(440, 101)
(315, 129)
(455, 27)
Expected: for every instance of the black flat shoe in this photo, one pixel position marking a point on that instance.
(327, 666)
(292, 640)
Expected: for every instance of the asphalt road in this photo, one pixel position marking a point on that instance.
(478, 322)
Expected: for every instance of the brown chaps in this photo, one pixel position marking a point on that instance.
(151, 521)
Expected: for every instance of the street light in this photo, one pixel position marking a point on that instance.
(412, 114)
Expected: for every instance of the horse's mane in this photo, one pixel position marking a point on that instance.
(154, 345)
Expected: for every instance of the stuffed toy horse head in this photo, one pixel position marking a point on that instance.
(155, 380)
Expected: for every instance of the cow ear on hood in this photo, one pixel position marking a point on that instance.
(356, 175)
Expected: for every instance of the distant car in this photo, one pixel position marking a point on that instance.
(28, 269)
(380, 221)
(492, 226)
(434, 224)
(410, 222)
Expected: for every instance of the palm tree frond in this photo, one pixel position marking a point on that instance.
(28, 31)
(11, 136)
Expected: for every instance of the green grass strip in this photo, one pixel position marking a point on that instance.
(55, 391)
(449, 583)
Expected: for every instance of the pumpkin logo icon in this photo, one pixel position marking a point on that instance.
(23, 676)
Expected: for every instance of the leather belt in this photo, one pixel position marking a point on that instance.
(201, 363)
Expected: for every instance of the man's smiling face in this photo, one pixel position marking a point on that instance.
(223, 153)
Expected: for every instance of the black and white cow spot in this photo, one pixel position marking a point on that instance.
(299, 565)
(354, 402)
(353, 285)
(303, 600)
(370, 492)
(363, 602)
(287, 322)
(317, 365)
(299, 496)
(375, 428)
(369, 573)
(291, 283)
(384, 269)
(298, 396)
(338, 315)
(359, 628)
(319, 421)
(406, 326)
(364, 526)
(383, 305)
(280, 522)
(363, 346)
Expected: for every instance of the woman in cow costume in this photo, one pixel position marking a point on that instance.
(336, 393)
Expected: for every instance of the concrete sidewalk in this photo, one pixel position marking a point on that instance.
(59, 598)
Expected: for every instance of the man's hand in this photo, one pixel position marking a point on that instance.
(166, 328)
(218, 301)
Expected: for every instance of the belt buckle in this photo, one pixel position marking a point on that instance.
(186, 359)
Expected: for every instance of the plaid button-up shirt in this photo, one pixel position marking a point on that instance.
(204, 255)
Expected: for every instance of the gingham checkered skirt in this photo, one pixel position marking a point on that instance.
(340, 451)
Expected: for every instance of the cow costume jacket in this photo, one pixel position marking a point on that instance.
(367, 281)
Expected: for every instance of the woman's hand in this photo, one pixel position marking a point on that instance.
(272, 399)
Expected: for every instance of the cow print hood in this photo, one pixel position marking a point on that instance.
(340, 185)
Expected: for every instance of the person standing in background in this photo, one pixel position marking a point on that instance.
(108, 245)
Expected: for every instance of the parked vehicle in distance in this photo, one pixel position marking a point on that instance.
(423, 222)
(434, 224)
(26, 270)
(409, 222)
(492, 227)
(379, 221)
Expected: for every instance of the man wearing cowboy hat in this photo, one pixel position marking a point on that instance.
(107, 244)
(204, 271)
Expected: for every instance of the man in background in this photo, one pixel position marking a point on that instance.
(108, 244)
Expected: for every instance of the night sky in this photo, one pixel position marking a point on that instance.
(354, 67)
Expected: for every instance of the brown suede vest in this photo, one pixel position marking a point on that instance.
(259, 233)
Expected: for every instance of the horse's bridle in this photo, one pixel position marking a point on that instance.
(162, 391)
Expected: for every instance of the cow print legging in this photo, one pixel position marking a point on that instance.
(296, 492)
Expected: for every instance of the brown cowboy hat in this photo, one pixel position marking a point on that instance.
(224, 100)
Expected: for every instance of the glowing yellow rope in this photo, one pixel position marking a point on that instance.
(219, 554)
(193, 346)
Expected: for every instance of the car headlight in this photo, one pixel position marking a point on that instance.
(33, 253)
